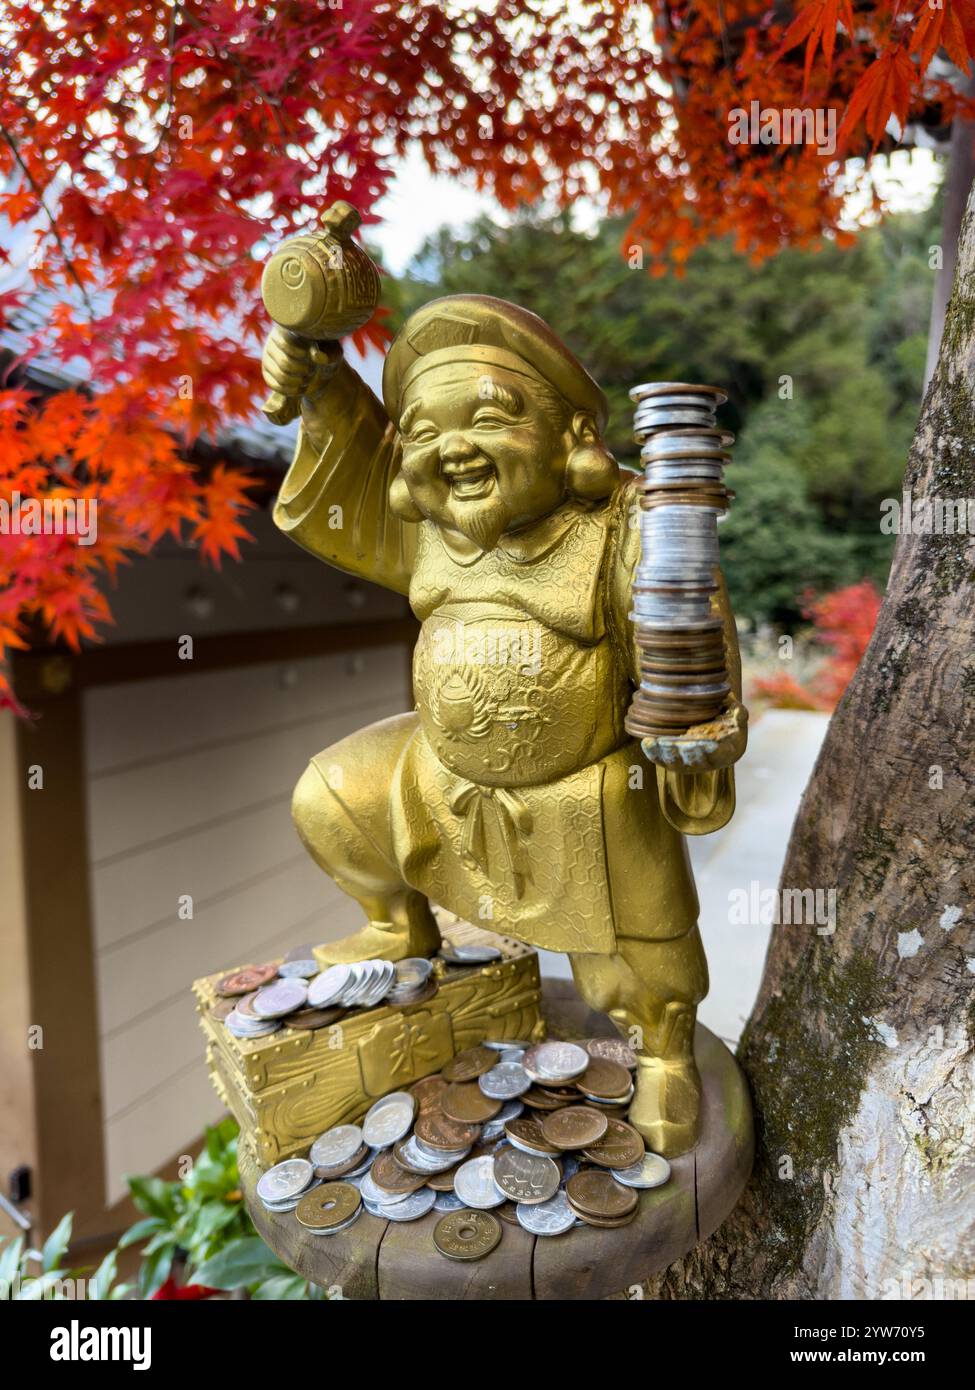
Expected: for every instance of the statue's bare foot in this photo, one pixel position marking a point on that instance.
(666, 1106)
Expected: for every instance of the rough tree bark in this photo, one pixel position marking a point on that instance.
(860, 1048)
(958, 183)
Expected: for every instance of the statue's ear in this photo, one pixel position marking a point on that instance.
(591, 472)
(401, 504)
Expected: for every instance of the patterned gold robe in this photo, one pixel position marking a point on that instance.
(519, 799)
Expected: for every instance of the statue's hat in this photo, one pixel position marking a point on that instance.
(482, 330)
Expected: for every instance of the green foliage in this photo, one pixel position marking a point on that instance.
(822, 353)
(32, 1275)
(204, 1220)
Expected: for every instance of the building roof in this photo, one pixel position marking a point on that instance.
(254, 438)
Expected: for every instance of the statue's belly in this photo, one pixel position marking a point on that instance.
(506, 702)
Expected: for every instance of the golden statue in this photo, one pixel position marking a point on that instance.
(512, 795)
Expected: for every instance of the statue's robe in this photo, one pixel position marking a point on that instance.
(518, 798)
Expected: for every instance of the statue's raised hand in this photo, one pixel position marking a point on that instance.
(288, 365)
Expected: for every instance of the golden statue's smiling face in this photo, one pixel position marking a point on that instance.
(481, 453)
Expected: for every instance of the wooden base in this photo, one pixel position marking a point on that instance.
(378, 1259)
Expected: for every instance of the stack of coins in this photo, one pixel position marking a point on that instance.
(414, 981)
(507, 1132)
(683, 676)
(259, 999)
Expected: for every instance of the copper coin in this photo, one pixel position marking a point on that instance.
(508, 1211)
(393, 1178)
(599, 1195)
(538, 1099)
(620, 1147)
(466, 1235)
(339, 1170)
(465, 1102)
(245, 1007)
(575, 1127)
(328, 1206)
(603, 1222)
(443, 1182)
(435, 1129)
(247, 979)
(469, 1065)
(526, 1134)
(428, 1092)
(314, 1018)
(221, 1009)
(605, 1079)
(567, 1095)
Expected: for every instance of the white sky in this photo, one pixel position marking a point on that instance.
(419, 202)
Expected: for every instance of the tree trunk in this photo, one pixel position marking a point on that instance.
(958, 183)
(860, 1049)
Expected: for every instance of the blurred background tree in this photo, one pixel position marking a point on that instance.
(822, 352)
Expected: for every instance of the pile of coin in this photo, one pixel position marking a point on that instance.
(683, 676)
(259, 999)
(534, 1133)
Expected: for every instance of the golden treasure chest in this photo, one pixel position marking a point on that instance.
(287, 1087)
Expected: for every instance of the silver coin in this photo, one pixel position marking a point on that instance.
(342, 1226)
(494, 1129)
(525, 1177)
(289, 1203)
(298, 969)
(447, 1201)
(413, 972)
(383, 977)
(337, 1145)
(327, 987)
(601, 1100)
(283, 1206)
(550, 1218)
(506, 1081)
(360, 978)
(647, 389)
(285, 1180)
(248, 1028)
(411, 1157)
(372, 1192)
(555, 1061)
(505, 1046)
(475, 1186)
(434, 1155)
(651, 1171)
(475, 954)
(513, 1054)
(414, 1206)
(282, 997)
(389, 1119)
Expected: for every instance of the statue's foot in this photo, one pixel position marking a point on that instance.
(376, 941)
(666, 1105)
(413, 931)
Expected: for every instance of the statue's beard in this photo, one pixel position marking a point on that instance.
(483, 521)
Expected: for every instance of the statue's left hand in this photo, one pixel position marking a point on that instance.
(705, 747)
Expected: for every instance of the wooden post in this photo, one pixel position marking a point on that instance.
(68, 1168)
